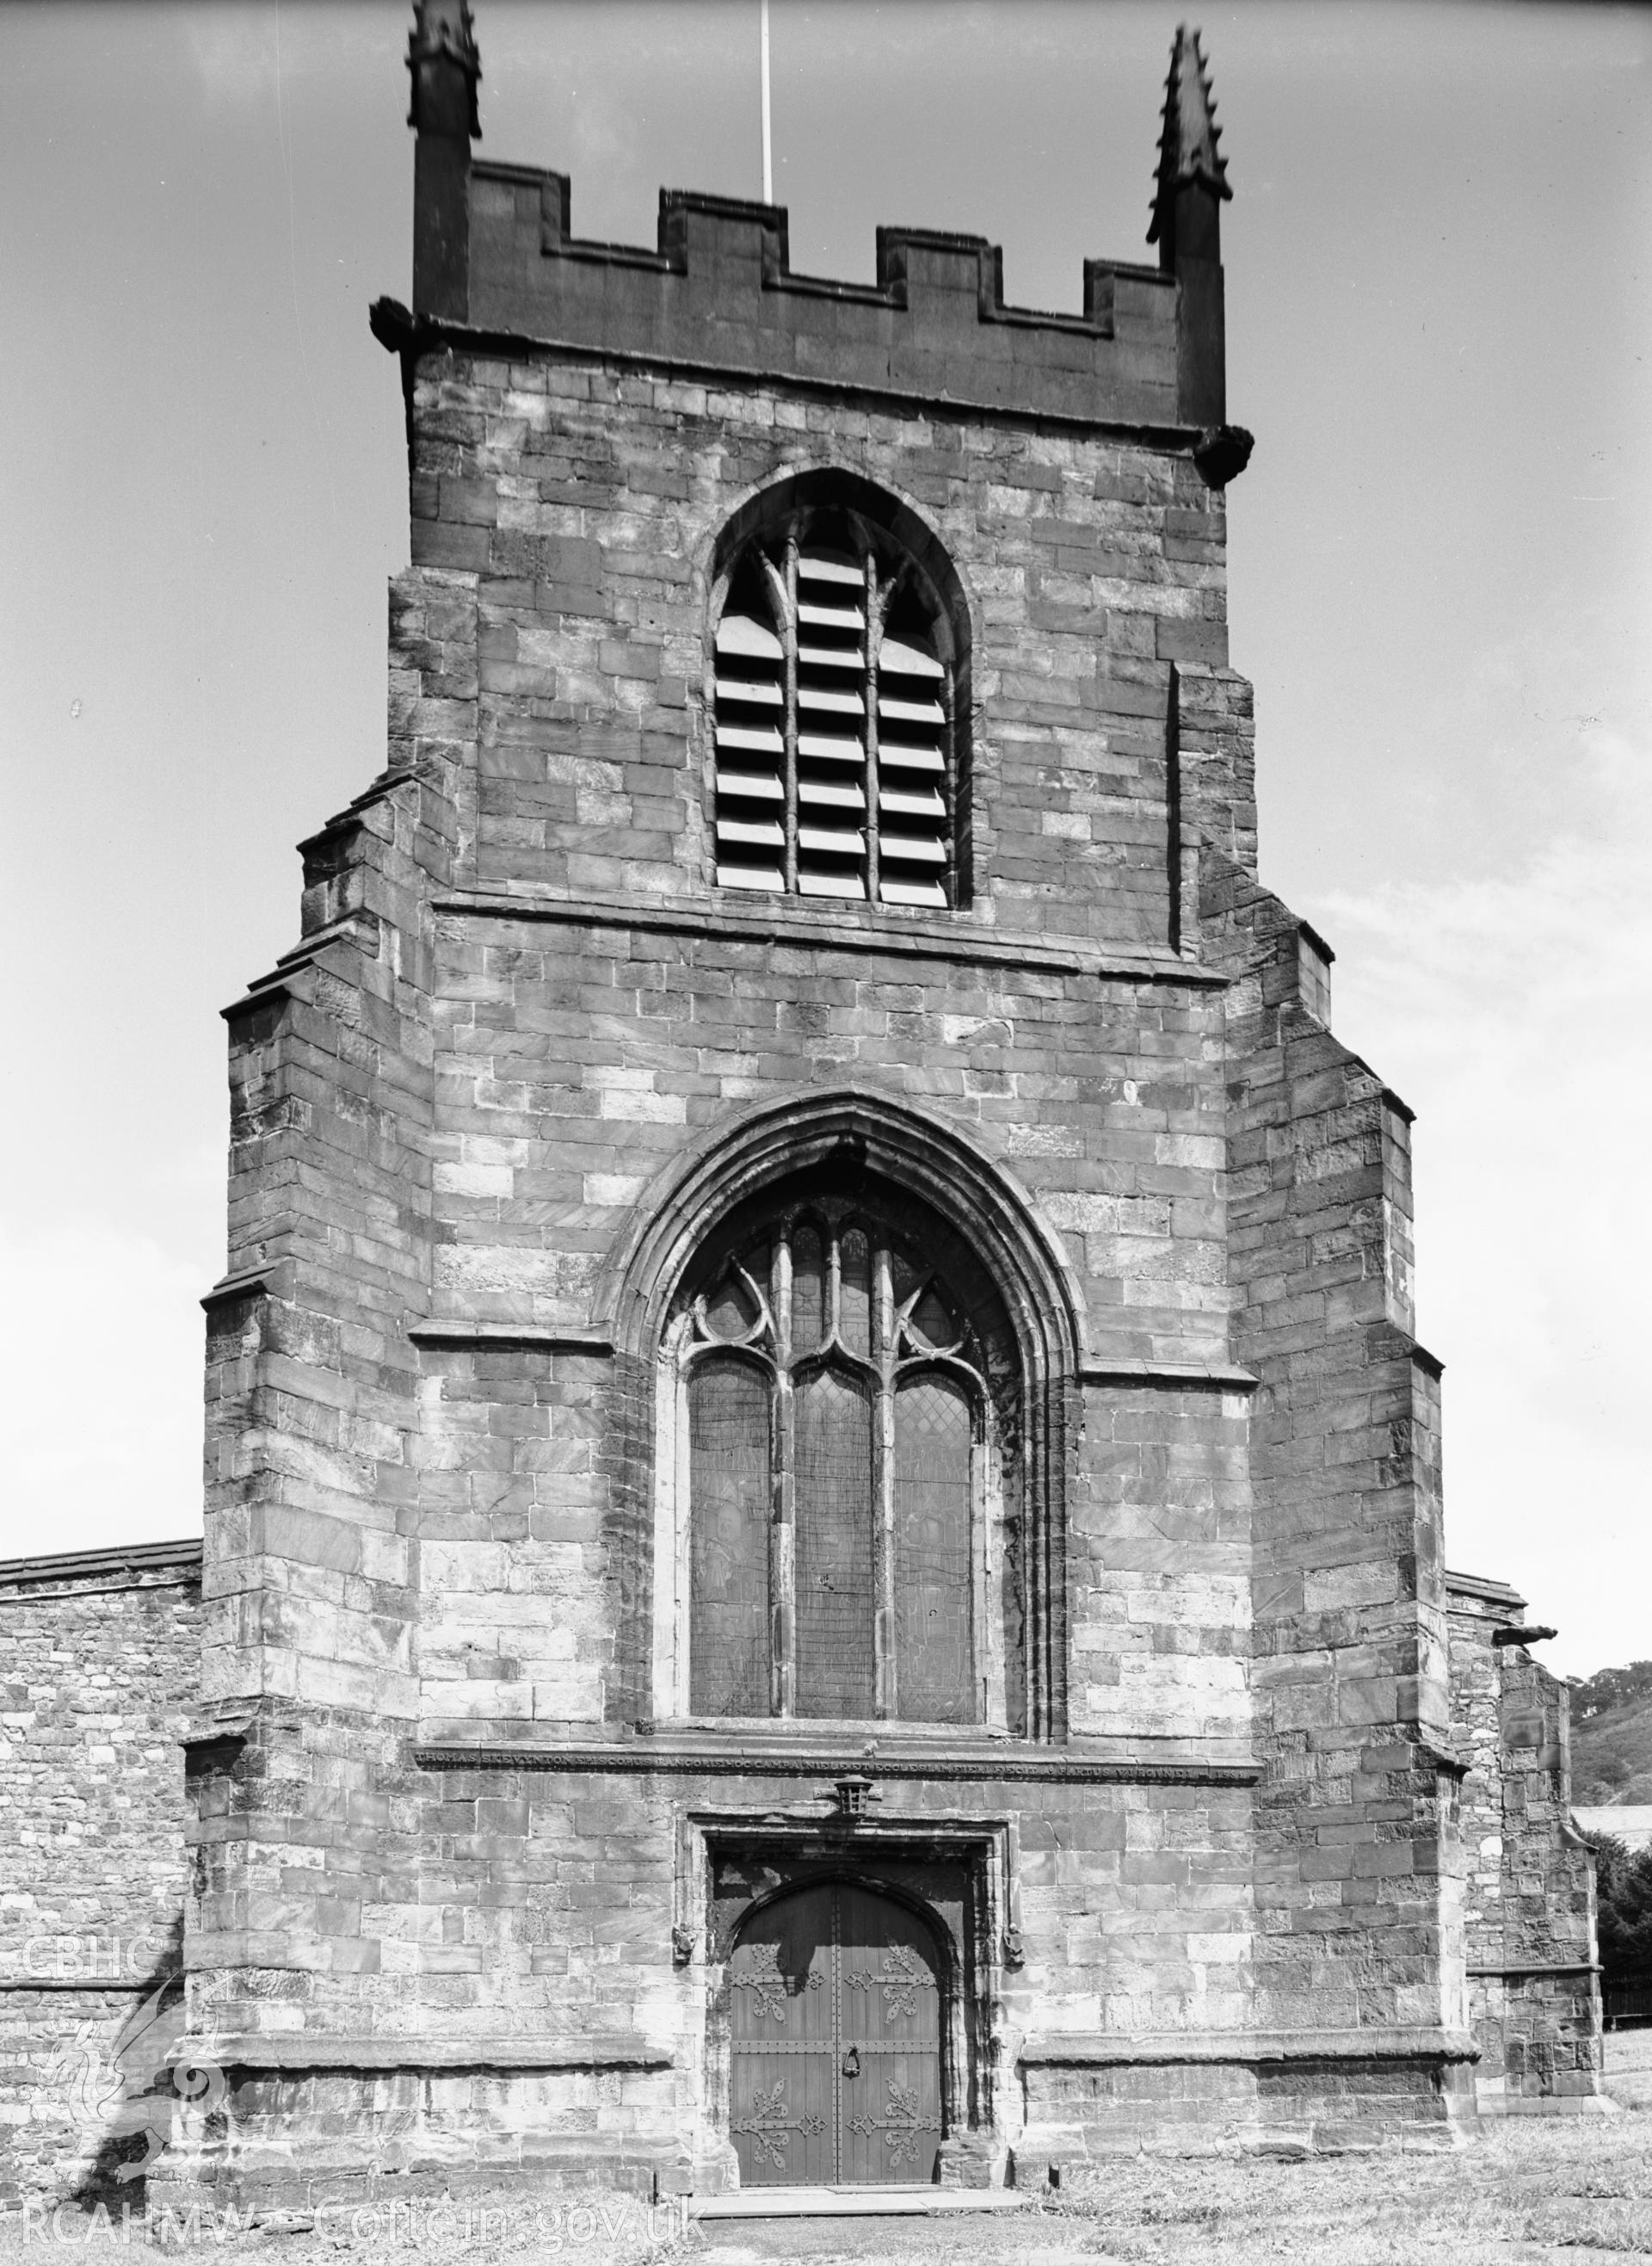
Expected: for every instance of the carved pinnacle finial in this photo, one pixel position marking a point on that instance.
(1188, 153)
(446, 64)
(442, 56)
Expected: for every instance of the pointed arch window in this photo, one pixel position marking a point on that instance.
(836, 692)
(845, 1400)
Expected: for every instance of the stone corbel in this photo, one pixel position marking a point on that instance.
(1222, 453)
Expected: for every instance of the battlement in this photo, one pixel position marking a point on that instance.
(495, 254)
(718, 293)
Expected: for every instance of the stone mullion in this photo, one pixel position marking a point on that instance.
(984, 1640)
(873, 634)
(949, 785)
(789, 727)
(1036, 1645)
(782, 1527)
(885, 1675)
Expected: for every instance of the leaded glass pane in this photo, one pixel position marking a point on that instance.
(868, 1618)
(931, 1322)
(854, 1294)
(833, 1546)
(729, 1492)
(932, 1573)
(730, 1310)
(808, 1291)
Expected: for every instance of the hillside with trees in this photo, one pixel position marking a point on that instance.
(1611, 1735)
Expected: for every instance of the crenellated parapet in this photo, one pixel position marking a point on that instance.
(718, 293)
(494, 253)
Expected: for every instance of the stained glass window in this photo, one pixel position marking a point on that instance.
(833, 1457)
(728, 1468)
(839, 1409)
(932, 1428)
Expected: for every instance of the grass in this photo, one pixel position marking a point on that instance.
(1529, 2188)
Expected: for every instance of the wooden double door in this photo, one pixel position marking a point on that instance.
(835, 2042)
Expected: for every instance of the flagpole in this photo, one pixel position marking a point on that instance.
(768, 153)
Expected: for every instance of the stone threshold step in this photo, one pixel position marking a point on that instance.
(851, 2203)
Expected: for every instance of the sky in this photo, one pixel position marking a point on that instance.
(1439, 329)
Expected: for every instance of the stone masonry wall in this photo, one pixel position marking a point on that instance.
(522, 1014)
(585, 503)
(310, 1383)
(580, 506)
(1534, 1990)
(548, 736)
(1215, 1861)
(544, 1983)
(451, 1100)
(99, 1663)
(557, 1117)
(1358, 1903)
(520, 1002)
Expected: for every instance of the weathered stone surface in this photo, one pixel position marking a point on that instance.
(1209, 1849)
(99, 1666)
(1529, 1884)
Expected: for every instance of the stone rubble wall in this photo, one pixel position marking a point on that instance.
(98, 1669)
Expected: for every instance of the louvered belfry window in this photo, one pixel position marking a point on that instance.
(839, 1427)
(836, 771)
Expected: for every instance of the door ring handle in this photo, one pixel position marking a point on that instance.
(852, 2062)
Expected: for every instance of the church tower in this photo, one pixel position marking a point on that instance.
(823, 1558)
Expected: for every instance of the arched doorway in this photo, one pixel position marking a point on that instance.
(834, 2042)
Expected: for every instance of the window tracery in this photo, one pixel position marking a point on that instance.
(847, 1389)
